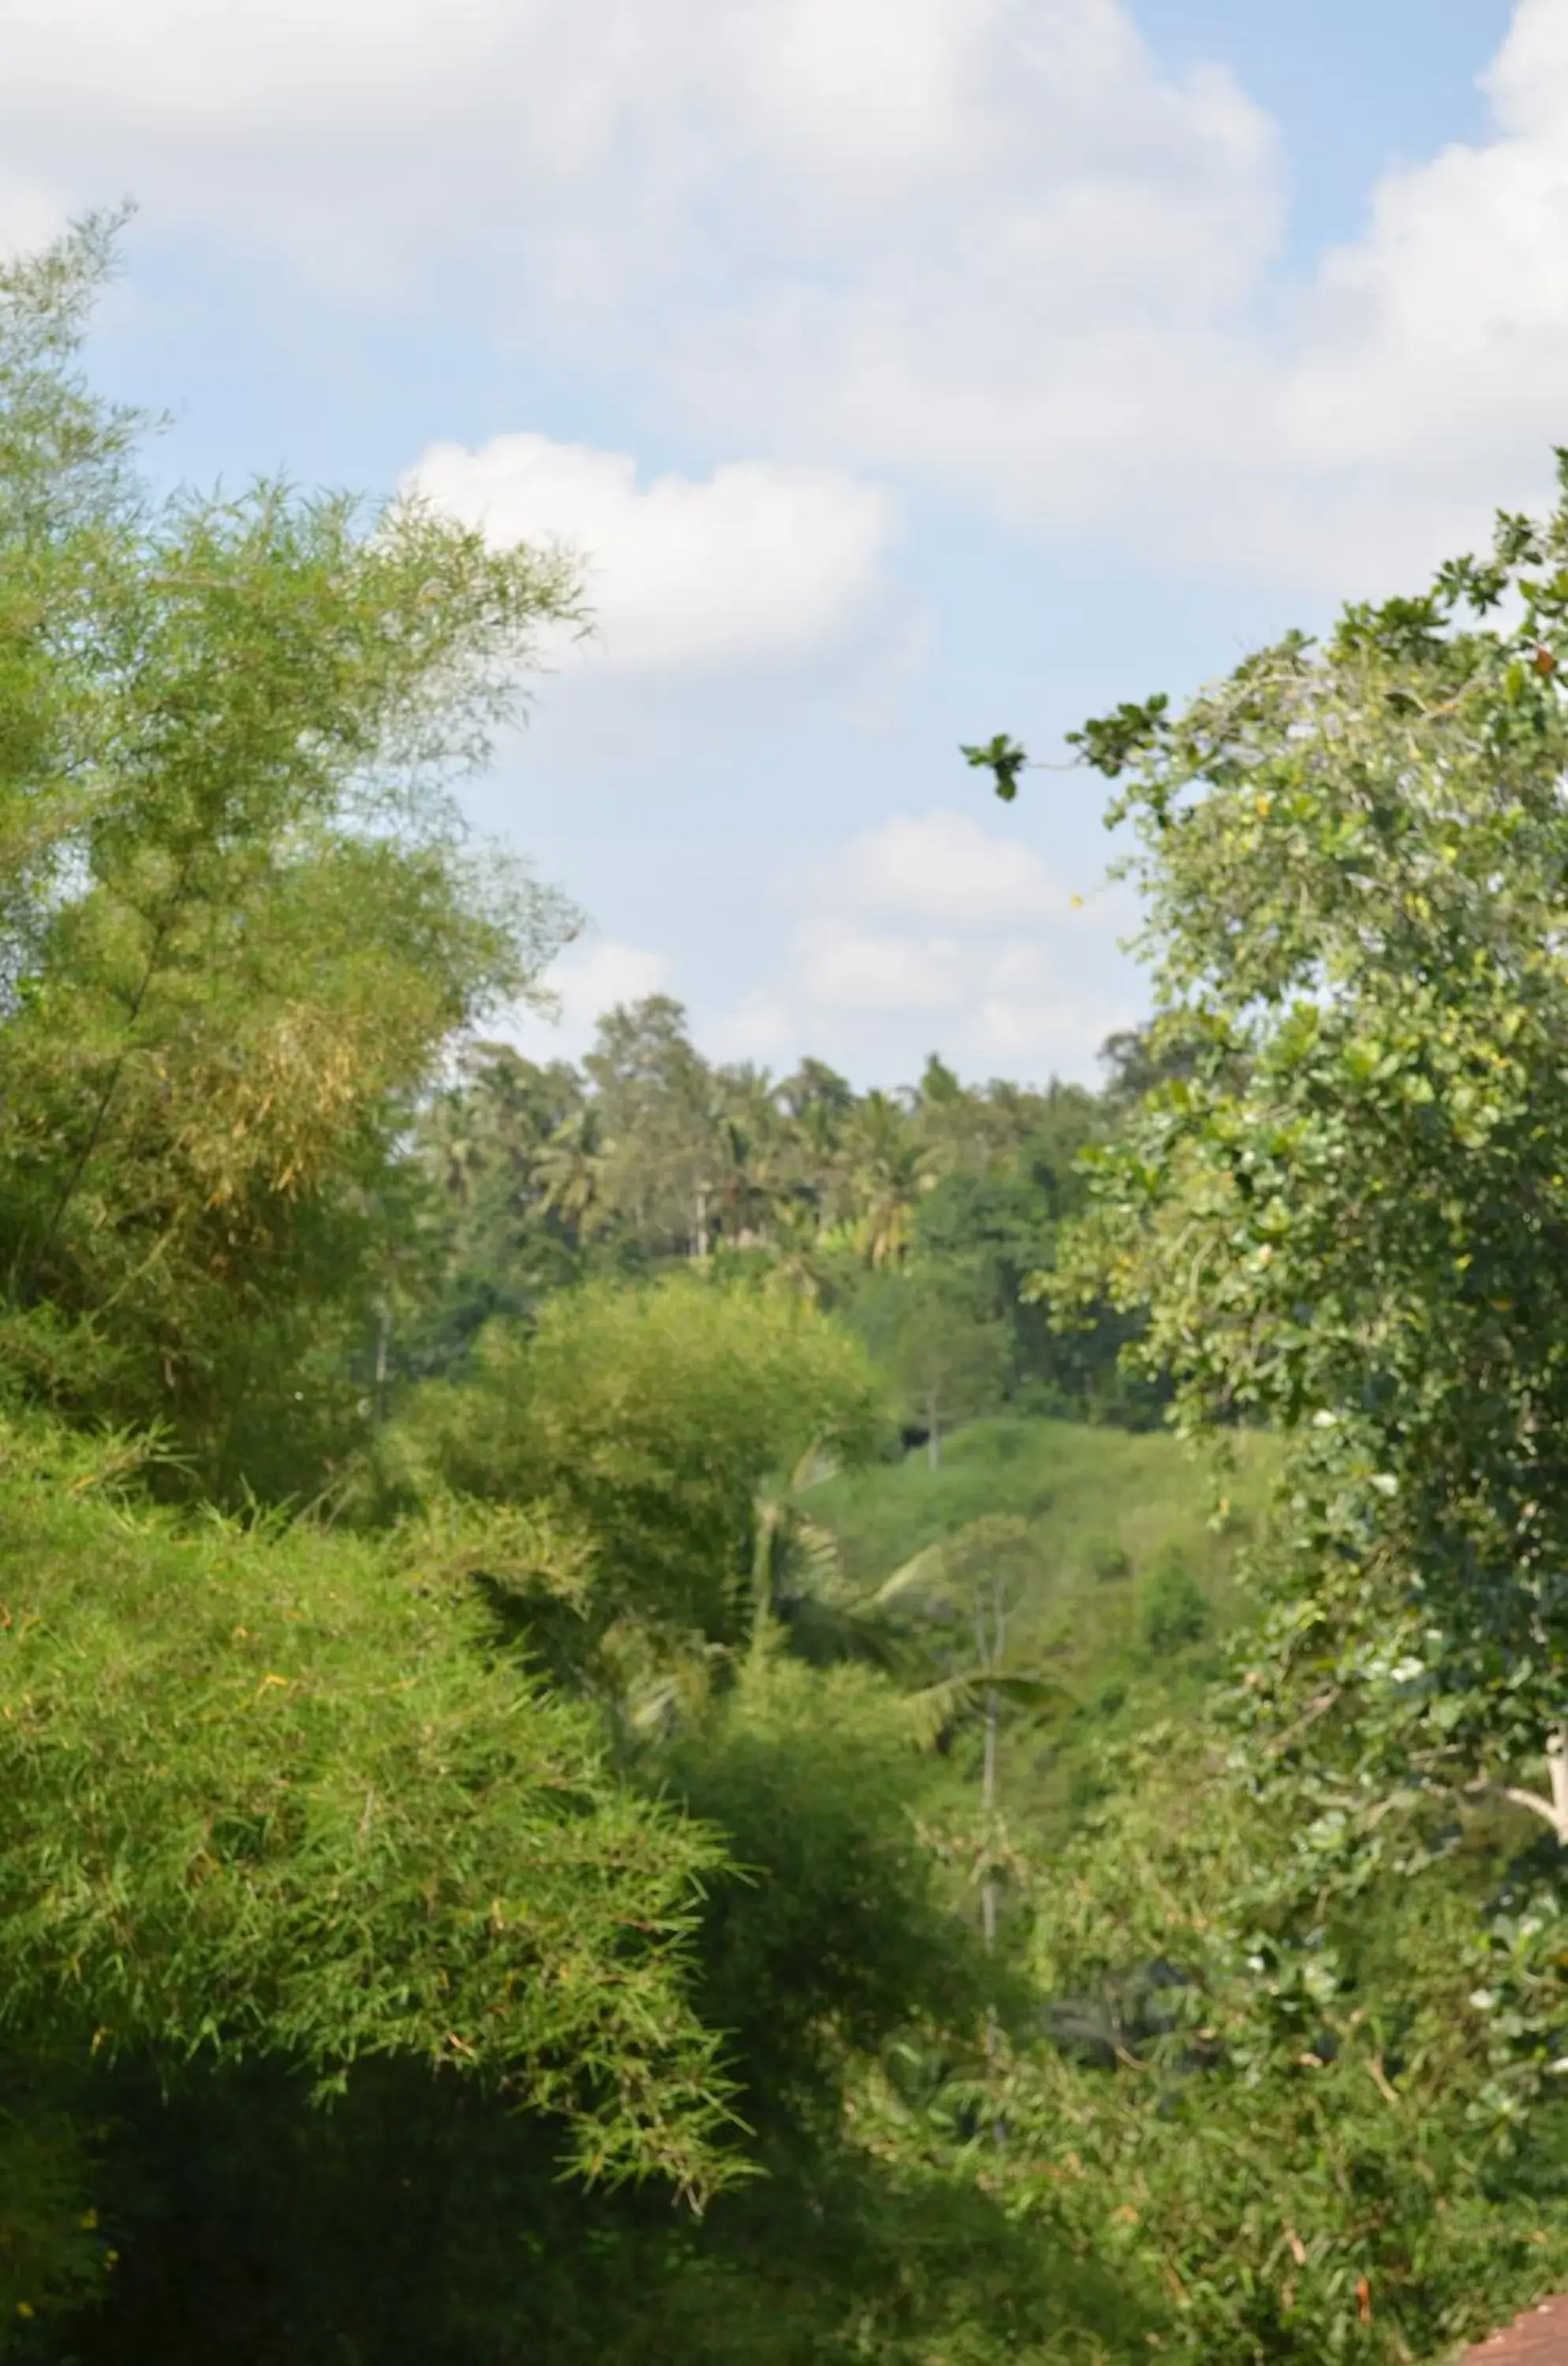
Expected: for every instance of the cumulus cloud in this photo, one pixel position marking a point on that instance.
(986, 243)
(932, 931)
(757, 564)
(589, 979)
(809, 201)
(1429, 363)
(1093, 341)
(940, 869)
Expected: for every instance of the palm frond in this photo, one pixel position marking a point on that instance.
(936, 1707)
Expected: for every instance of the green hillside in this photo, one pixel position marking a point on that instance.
(1128, 1581)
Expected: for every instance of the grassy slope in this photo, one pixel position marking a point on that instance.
(1108, 1512)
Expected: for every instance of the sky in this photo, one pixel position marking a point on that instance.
(904, 370)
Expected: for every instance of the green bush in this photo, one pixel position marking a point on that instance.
(647, 1419)
(1173, 1610)
(266, 1795)
(1280, 2106)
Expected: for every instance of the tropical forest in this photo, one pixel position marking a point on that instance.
(653, 1711)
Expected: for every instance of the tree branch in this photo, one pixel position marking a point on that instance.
(1515, 1797)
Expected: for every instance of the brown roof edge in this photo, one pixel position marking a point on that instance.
(1539, 2337)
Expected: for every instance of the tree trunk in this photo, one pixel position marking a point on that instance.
(383, 1360)
(1557, 1768)
(933, 1433)
(988, 1896)
(1554, 1809)
(988, 1802)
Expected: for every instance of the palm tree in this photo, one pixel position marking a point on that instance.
(972, 1582)
(570, 1171)
(796, 1231)
(888, 1169)
(792, 1596)
(453, 1143)
(800, 1596)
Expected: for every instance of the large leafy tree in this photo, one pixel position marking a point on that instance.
(1280, 2098)
(663, 1149)
(1341, 1205)
(359, 1835)
(239, 922)
(421, 2222)
(1309, 1959)
(944, 1353)
(1350, 1218)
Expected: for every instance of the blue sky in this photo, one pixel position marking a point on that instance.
(905, 370)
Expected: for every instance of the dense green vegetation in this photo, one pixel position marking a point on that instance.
(625, 1732)
(920, 1218)
(1119, 1561)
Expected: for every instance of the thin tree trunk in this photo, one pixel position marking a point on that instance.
(763, 1578)
(989, 1893)
(988, 1802)
(1557, 1769)
(993, 1647)
(1553, 1810)
(383, 1360)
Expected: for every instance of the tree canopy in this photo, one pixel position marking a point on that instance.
(1347, 1217)
(1330, 1204)
(240, 923)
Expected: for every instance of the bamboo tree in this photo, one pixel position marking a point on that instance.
(241, 923)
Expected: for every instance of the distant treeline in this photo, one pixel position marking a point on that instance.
(925, 1216)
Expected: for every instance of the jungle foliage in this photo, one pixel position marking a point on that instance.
(617, 1740)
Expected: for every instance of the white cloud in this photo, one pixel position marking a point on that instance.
(983, 243)
(1092, 341)
(589, 979)
(31, 213)
(934, 932)
(840, 965)
(841, 180)
(941, 868)
(605, 973)
(1069, 313)
(1428, 371)
(758, 564)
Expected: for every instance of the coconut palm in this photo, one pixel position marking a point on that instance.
(887, 1168)
(970, 1583)
(570, 1170)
